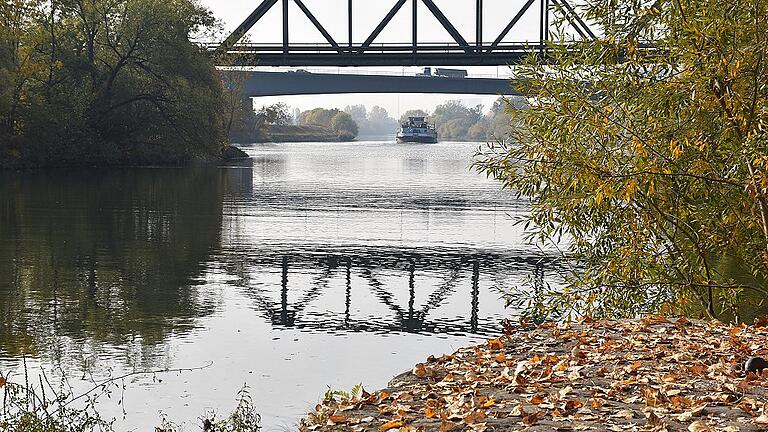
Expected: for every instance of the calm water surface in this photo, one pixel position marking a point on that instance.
(322, 265)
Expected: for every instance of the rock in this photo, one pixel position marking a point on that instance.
(233, 153)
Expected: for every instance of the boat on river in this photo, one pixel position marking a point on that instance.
(417, 130)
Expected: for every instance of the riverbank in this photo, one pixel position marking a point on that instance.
(650, 374)
(305, 133)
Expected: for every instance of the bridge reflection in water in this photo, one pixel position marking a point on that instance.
(433, 280)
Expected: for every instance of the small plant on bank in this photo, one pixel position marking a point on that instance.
(29, 408)
(332, 395)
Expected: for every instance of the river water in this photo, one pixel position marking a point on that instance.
(321, 265)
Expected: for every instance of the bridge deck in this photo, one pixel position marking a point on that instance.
(303, 83)
(376, 55)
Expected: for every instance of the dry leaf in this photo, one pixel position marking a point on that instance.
(495, 344)
(338, 418)
(447, 426)
(390, 425)
(699, 426)
(532, 419)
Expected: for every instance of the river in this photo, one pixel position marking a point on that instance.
(321, 265)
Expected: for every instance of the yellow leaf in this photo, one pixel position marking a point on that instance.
(495, 344)
(390, 425)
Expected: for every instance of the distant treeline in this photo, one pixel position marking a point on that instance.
(106, 82)
(275, 123)
(374, 122)
(456, 122)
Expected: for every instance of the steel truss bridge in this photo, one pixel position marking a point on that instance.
(457, 52)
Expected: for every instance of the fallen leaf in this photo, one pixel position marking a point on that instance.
(474, 417)
(420, 370)
(654, 420)
(573, 404)
(495, 344)
(391, 425)
(699, 426)
(531, 419)
(447, 426)
(338, 418)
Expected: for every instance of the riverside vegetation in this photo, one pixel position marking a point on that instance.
(107, 82)
(44, 407)
(651, 172)
(274, 123)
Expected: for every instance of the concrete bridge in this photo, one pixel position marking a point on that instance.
(306, 83)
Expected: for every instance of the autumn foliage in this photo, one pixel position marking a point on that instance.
(644, 157)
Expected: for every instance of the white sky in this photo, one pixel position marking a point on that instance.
(332, 14)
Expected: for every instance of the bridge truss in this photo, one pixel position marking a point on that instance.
(457, 52)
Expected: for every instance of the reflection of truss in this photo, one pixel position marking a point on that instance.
(412, 318)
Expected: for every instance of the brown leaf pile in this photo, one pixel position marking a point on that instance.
(652, 374)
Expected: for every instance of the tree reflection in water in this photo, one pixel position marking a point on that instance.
(96, 259)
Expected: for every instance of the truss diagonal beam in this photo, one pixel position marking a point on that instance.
(382, 24)
(570, 19)
(511, 24)
(317, 24)
(577, 18)
(446, 24)
(248, 24)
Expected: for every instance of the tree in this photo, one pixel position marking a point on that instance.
(379, 115)
(358, 113)
(318, 117)
(453, 120)
(343, 124)
(110, 81)
(649, 168)
(413, 113)
(276, 114)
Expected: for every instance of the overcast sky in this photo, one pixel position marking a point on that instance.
(332, 14)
